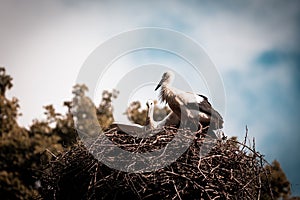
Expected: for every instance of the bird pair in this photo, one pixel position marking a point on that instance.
(187, 108)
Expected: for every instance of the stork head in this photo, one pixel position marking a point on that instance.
(166, 79)
(150, 103)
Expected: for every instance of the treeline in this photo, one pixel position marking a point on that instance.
(26, 152)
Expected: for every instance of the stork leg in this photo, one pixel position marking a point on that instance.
(198, 133)
(201, 130)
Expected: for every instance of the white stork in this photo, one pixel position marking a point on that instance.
(170, 120)
(149, 129)
(139, 130)
(187, 105)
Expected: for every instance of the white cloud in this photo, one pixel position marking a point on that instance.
(44, 45)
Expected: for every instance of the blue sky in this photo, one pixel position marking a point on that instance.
(254, 46)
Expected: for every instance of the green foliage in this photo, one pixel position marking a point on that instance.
(24, 152)
(13, 188)
(278, 181)
(294, 198)
(84, 112)
(8, 108)
(5, 81)
(63, 125)
(17, 156)
(105, 109)
(136, 114)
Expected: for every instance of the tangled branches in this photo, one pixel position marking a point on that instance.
(227, 170)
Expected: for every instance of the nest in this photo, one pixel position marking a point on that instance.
(228, 170)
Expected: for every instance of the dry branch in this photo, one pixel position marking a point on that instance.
(230, 170)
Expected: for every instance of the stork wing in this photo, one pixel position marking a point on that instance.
(204, 97)
(197, 102)
(128, 128)
(204, 106)
(170, 120)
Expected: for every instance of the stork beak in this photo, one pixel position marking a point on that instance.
(157, 87)
(147, 104)
(160, 83)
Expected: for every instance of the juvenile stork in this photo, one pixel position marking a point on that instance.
(170, 120)
(139, 130)
(151, 126)
(186, 105)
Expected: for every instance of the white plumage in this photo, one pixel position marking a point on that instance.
(186, 105)
(151, 127)
(138, 130)
(170, 120)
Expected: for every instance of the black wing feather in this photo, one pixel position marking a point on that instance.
(206, 108)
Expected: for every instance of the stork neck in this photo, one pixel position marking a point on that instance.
(149, 119)
(167, 94)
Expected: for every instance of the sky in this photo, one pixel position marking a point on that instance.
(253, 45)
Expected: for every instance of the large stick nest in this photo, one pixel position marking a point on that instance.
(230, 170)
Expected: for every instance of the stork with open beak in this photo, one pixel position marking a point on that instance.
(187, 105)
